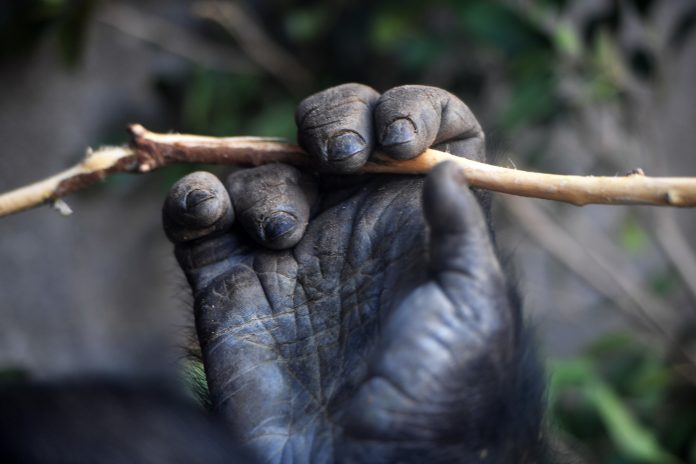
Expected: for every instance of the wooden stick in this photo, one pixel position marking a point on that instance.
(149, 151)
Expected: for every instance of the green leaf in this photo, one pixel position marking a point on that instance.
(565, 374)
(195, 379)
(626, 432)
(570, 372)
(608, 72)
(566, 40)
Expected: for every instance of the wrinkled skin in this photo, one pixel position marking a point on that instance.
(359, 318)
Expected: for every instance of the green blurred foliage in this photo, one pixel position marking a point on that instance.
(451, 43)
(24, 23)
(625, 403)
(633, 236)
(384, 44)
(304, 24)
(663, 283)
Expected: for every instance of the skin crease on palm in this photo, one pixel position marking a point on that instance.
(359, 318)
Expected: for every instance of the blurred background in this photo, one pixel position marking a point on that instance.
(593, 87)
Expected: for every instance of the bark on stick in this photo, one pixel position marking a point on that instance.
(148, 151)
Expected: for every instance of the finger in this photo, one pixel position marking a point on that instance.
(273, 203)
(412, 118)
(459, 232)
(197, 206)
(447, 357)
(335, 127)
(248, 384)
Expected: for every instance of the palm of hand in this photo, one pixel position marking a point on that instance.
(360, 337)
(306, 318)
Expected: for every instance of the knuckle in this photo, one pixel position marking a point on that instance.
(317, 105)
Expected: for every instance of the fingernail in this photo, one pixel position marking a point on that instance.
(279, 224)
(344, 146)
(196, 197)
(398, 132)
(202, 208)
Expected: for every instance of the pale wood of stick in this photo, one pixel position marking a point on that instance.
(634, 188)
(46, 190)
(149, 150)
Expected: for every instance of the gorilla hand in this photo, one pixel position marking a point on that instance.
(360, 320)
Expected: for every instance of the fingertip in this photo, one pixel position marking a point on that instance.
(281, 224)
(273, 203)
(400, 139)
(449, 205)
(411, 118)
(201, 208)
(197, 205)
(405, 121)
(335, 127)
(345, 152)
(280, 231)
(460, 239)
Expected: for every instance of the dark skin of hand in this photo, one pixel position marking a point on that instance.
(357, 318)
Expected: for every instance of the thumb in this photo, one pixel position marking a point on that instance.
(443, 365)
(459, 232)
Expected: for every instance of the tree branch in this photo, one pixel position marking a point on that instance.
(149, 150)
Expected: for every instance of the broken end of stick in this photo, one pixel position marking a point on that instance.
(104, 158)
(136, 130)
(144, 150)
